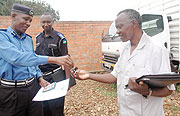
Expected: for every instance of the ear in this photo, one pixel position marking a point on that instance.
(13, 15)
(135, 23)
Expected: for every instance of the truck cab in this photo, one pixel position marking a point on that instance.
(153, 24)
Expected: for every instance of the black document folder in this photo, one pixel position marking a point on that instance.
(159, 80)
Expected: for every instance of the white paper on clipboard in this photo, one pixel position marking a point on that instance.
(60, 90)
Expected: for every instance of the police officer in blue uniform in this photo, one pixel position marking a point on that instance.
(20, 76)
(52, 43)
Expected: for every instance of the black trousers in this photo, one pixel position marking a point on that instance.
(53, 107)
(17, 101)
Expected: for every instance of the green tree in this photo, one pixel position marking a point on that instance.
(5, 7)
(38, 7)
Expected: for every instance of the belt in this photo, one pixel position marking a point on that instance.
(16, 83)
(51, 72)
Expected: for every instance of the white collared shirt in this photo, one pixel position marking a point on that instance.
(147, 58)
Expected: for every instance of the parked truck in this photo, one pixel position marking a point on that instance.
(160, 20)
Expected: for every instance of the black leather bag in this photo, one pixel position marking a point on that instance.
(60, 75)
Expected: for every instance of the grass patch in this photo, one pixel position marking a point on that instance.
(110, 94)
(174, 108)
(111, 91)
(114, 86)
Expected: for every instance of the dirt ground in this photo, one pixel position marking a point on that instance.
(90, 98)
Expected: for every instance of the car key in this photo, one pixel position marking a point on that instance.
(75, 70)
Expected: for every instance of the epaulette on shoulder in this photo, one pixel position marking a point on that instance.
(61, 35)
(38, 35)
(3, 29)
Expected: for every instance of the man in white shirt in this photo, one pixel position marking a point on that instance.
(140, 56)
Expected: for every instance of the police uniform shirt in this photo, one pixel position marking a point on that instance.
(17, 58)
(43, 47)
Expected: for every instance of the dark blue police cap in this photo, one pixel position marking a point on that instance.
(22, 9)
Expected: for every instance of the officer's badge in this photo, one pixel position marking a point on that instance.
(31, 13)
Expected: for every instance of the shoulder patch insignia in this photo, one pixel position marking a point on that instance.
(64, 41)
(61, 35)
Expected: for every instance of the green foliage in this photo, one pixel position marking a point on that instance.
(178, 88)
(38, 7)
(5, 7)
(114, 86)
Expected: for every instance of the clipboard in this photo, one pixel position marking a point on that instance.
(159, 80)
(53, 91)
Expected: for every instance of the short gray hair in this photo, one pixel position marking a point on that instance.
(132, 15)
